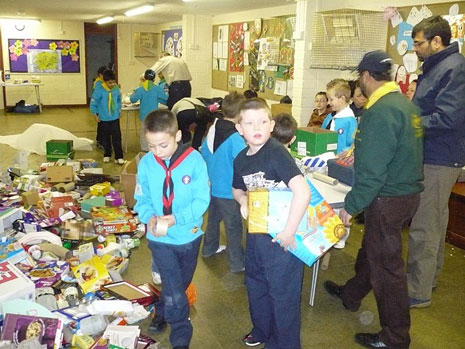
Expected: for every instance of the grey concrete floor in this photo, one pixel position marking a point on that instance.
(220, 316)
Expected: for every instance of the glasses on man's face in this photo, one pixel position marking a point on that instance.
(419, 43)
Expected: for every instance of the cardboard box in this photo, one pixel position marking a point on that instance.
(91, 274)
(113, 220)
(86, 205)
(311, 141)
(344, 174)
(57, 174)
(14, 284)
(128, 179)
(100, 189)
(318, 231)
(12, 251)
(279, 108)
(59, 149)
(64, 202)
(8, 216)
(30, 198)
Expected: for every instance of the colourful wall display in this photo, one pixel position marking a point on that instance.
(172, 42)
(44, 56)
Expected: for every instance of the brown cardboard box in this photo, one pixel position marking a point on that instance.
(128, 179)
(278, 108)
(57, 174)
(29, 198)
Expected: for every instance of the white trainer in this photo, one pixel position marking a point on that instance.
(119, 161)
(156, 278)
(106, 159)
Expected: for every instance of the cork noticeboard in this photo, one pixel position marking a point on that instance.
(255, 55)
(400, 43)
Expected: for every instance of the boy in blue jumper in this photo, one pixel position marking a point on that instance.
(172, 194)
(342, 119)
(97, 82)
(273, 275)
(219, 149)
(149, 95)
(105, 104)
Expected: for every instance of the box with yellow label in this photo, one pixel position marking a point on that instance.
(100, 189)
(319, 229)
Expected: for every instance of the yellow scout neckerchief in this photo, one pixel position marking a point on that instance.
(388, 87)
(147, 84)
(97, 80)
(110, 101)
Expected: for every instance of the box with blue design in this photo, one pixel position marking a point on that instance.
(318, 231)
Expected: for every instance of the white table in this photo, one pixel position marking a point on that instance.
(334, 195)
(128, 108)
(36, 87)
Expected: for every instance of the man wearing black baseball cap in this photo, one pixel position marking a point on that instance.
(388, 174)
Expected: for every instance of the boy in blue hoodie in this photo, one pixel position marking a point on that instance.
(219, 149)
(105, 104)
(149, 95)
(342, 119)
(172, 194)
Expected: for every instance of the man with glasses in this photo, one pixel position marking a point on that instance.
(440, 95)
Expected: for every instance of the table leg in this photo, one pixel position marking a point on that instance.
(38, 97)
(315, 267)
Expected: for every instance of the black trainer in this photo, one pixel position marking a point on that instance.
(250, 340)
(158, 324)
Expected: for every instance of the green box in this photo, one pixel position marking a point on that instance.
(59, 149)
(311, 141)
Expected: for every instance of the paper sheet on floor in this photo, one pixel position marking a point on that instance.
(35, 137)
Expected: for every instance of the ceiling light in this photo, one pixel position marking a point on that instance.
(104, 20)
(20, 21)
(139, 10)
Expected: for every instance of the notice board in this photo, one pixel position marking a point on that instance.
(400, 42)
(256, 55)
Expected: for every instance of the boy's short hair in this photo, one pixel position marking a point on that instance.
(231, 104)
(285, 100)
(285, 128)
(340, 87)
(161, 121)
(253, 104)
(109, 75)
(101, 70)
(322, 93)
(149, 75)
(250, 94)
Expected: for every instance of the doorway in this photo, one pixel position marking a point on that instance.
(100, 51)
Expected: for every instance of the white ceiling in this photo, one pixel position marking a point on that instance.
(90, 10)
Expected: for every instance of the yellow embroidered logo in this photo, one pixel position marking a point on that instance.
(416, 124)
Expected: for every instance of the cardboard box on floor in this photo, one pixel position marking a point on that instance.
(128, 179)
(60, 174)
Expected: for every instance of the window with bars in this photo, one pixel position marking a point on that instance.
(341, 38)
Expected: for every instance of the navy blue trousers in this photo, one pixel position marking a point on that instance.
(176, 264)
(274, 282)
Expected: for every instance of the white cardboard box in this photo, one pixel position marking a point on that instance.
(14, 284)
(8, 216)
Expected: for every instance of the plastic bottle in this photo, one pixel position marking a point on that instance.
(93, 325)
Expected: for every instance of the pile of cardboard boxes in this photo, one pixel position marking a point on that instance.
(66, 236)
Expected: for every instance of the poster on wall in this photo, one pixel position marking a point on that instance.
(236, 47)
(44, 56)
(172, 42)
(457, 28)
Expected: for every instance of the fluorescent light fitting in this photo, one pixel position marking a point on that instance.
(104, 20)
(139, 10)
(20, 21)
